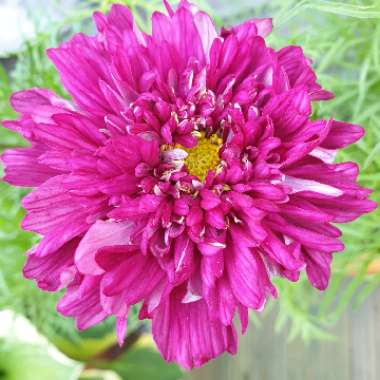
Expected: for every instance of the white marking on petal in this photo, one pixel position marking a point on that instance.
(105, 131)
(217, 244)
(298, 184)
(174, 155)
(196, 184)
(326, 155)
(278, 181)
(67, 276)
(191, 297)
(148, 136)
(268, 77)
(182, 258)
(155, 297)
(237, 220)
(109, 121)
(157, 190)
(166, 237)
(288, 240)
(190, 79)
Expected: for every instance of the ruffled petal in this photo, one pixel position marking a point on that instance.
(83, 64)
(100, 235)
(298, 73)
(54, 213)
(22, 167)
(342, 134)
(188, 31)
(185, 334)
(82, 302)
(53, 271)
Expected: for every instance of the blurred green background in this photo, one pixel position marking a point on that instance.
(342, 38)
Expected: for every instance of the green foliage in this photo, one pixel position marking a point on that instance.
(36, 361)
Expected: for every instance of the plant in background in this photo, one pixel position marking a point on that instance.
(186, 172)
(21, 343)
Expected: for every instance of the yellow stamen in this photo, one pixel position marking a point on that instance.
(204, 156)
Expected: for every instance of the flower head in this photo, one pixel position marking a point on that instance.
(185, 173)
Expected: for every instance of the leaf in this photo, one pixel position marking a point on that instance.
(21, 343)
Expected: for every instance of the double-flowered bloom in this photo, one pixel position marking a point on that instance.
(185, 174)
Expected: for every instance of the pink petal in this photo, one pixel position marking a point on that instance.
(83, 303)
(53, 212)
(47, 270)
(101, 234)
(22, 167)
(185, 334)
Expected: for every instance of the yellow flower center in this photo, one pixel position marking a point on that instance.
(204, 156)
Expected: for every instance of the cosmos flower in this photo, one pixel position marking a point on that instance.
(185, 173)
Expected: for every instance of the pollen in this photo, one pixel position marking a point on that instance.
(204, 156)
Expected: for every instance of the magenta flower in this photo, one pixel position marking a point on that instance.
(185, 173)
